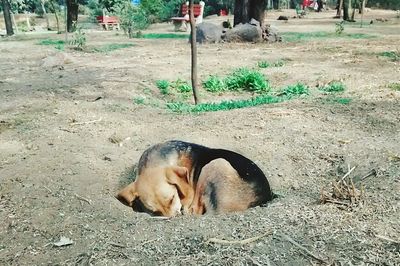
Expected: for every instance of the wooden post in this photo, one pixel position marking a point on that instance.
(193, 45)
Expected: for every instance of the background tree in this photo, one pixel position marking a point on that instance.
(72, 14)
(7, 17)
(245, 10)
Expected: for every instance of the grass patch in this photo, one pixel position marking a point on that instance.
(303, 36)
(58, 44)
(224, 105)
(163, 86)
(339, 100)
(391, 55)
(263, 64)
(266, 64)
(394, 86)
(111, 47)
(164, 36)
(295, 90)
(333, 87)
(240, 79)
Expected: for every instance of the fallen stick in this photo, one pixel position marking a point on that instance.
(370, 173)
(309, 253)
(116, 245)
(87, 122)
(388, 239)
(348, 173)
(240, 242)
(337, 202)
(84, 199)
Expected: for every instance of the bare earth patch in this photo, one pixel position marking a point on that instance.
(71, 131)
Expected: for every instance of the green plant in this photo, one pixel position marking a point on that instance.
(279, 63)
(139, 100)
(339, 100)
(163, 86)
(224, 105)
(181, 86)
(333, 87)
(339, 27)
(295, 90)
(214, 84)
(58, 44)
(111, 47)
(78, 39)
(132, 18)
(303, 36)
(163, 36)
(392, 55)
(395, 86)
(246, 79)
(263, 64)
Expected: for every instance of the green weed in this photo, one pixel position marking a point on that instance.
(263, 64)
(279, 63)
(246, 79)
(111, 47)
(295, 90)
(139, 100)
(391, 55)
(339, 27)
(164, 36)
(224, 105)
(333, 87)
(163, 86)
(78, 39)
(395, 86)
(58, 44)
(214, 84)
(303, 36)
(339, 100)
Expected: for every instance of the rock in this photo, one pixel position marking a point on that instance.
(283, 18)
(244, 33)
(208, 33)
(271, 34)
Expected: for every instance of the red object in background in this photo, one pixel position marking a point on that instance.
(308, 3)
(223, 12)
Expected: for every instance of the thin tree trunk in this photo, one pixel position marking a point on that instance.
(7, 17)
(339, 10)
(56, 15)
(193, 45)
(45, 14)
(14, 22)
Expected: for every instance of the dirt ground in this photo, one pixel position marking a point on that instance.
(60, 163)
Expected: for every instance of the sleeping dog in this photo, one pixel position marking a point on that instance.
(176, 176)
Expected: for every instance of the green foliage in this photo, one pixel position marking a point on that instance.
(339, 27)
(132, 18)
(224, 105)
(163, 86)
(247, 79)
(214, 84)
(78, 39)
(279, 63)
(295, 90)
(303, 36)
(181, 86)
(263, 64)
(139, 100)
(339, 100)
(392, 55)
(333, 87)
(111, 47)
(163, 36)
(395, 86)
(58, 44)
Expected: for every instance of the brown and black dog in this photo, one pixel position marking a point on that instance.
(178, 176)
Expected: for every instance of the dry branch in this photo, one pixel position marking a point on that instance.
(87, 122)
(240, 242)
(309, 253)
(83, 199)
(388, 239)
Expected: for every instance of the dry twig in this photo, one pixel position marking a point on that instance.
(85, 123)
(83, 198)
(116, 245)
(240, 242)
(388, 239)
(309, 253)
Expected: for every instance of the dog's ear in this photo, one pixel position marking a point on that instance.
(179, 177)
(128, 194)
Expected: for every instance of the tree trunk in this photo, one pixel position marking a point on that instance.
(193, 45)
(7, 17)
(45, 14)
(346, 10)
(56, 15)
(245, 10)
(72, 15)
(339, 9)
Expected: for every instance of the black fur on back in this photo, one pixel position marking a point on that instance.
(201, 155)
